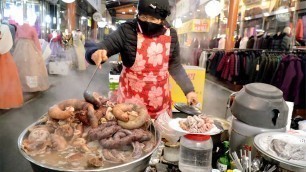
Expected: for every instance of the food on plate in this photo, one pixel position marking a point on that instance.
(288, 151)
(196, 124)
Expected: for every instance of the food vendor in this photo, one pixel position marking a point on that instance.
(150, 52)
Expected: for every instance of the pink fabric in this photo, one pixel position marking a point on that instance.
(28, 32)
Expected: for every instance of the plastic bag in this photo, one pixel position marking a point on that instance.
(162, 124)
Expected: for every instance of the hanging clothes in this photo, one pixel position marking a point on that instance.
(10, 85)
(29, 60)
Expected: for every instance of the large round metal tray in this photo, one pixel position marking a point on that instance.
(134, 166)
(262, 143)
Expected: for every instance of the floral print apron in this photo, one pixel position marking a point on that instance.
(147, 81)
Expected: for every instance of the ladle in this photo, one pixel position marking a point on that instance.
(87, 94)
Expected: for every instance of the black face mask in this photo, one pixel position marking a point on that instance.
(151, 29)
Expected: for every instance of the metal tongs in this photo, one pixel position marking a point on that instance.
(87, 93)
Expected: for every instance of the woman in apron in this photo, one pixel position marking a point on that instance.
(150, 54)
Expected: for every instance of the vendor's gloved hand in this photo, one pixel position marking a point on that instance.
(99, 56)
(192, 98)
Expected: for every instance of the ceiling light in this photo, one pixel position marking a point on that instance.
(213, 8)
(68, 1)
(130, 10)
(123, 12)
(198, 10)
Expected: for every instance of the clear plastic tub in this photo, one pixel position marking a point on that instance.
(195, 153)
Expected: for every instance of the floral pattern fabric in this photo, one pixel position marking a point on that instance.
(147, 81)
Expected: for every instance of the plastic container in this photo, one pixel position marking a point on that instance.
(171, 152)
(195, 153)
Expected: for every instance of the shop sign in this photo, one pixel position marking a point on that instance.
(200, 25)
(194, 25)
(197, 77)
(89, 22)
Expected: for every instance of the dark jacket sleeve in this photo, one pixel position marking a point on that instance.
(112, 44)
(176, 69)
(285, 44)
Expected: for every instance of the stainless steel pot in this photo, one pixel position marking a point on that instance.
(137, 165)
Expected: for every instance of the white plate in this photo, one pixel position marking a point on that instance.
(175, 125)
(263, 141)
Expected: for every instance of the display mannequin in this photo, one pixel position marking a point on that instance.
(55, 44)
(285, 44)
(67, 39)
(10, 87)
(221, 43)
(79, 49)
(244, 40)
(29, 60)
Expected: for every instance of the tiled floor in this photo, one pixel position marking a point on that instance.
(13, 122)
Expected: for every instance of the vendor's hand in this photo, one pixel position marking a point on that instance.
(192, 98)
(99, 56)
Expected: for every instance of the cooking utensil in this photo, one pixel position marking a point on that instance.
(86, 92)
(138, 165)
(190, 110)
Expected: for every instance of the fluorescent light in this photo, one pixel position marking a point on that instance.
(48, 19)
(68, 1)
(247, 18)
(178, 23)
(280, 11)
(54, 20)
(260, 30)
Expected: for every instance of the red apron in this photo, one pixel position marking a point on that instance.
(147, 81)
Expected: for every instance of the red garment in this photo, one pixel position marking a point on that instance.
(147, 81)
(299, 30)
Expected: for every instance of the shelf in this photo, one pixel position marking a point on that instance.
(269, 14)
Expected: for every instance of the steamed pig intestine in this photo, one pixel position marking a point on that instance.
(65, 110)
(197, 124)
(130, 116)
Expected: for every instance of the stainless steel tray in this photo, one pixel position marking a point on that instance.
(135, 166)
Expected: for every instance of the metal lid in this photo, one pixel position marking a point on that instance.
(191, 110)
(264, 91)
